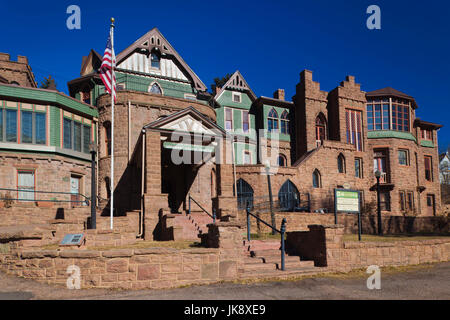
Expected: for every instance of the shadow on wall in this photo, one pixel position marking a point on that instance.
(127, 194)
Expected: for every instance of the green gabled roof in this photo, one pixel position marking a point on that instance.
(390, 134)
(46, 97)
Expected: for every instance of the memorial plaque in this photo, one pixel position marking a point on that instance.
(72, 239)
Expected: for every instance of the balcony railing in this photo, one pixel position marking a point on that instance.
(384, 178)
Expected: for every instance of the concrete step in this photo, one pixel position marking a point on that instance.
(273, 259)
(265, 253)
(288, 273)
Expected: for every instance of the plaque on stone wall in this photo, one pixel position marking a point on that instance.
(72, 239)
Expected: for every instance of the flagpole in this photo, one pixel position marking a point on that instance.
(112, 123)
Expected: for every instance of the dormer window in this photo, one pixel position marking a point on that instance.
(272, 120)
(86, 95)
(427, 134)
(236, 97)
(285, 122)
(155, 61)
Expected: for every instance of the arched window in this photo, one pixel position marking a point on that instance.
(15, 83)
(281, 161)
(107, 135)
(320, 129)
(272, 119)
(155, 88)
(285, 122)
(108, 187)
(155, 61)
(341, 163)
(316, 179)
(288, 196)
(244, 194)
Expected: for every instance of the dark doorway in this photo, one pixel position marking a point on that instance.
(176, 180)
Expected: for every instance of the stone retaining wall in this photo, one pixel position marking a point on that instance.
(299, 221)
(125, 268)
(324, 244)
(134, 268)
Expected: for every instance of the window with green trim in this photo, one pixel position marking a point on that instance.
(77, 136)
(33, 127)
(11, 125)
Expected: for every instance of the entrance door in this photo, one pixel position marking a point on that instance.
(430, 204)
(25, 182)
(75, 190)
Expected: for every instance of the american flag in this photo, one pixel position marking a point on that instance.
(108, 62)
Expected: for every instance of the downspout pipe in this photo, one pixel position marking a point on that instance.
(141, 225)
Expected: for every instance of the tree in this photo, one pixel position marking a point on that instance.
(220, 82)
(48, 83)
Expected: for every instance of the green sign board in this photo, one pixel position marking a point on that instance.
(187, 147)
(346, 201)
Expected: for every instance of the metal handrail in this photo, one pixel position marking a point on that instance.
(282, 231)
(87, 199)
(213, 215)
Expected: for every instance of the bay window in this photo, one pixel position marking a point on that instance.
(33, 127)
(76, 135)
(388, 114)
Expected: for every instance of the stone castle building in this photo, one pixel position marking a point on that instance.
(317, 142)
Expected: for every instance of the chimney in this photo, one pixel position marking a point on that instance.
(279, 94)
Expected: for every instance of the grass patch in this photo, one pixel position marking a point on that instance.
(390, 238)
(264, 236)
(181, 244)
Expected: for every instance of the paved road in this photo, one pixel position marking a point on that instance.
(428, 282)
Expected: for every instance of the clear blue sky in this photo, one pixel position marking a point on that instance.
(270, 42)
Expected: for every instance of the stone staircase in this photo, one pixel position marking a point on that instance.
(186, 226)
(262, 258)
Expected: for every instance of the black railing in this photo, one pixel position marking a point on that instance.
(282, 231)
(285, 203)
(213, 215)
(17, 191)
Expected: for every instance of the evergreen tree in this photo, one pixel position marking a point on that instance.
(48, 83)
(220, 82)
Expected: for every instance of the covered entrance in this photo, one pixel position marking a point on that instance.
(188, 143)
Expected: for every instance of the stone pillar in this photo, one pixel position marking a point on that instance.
(226, 202)
(155, 203)
(317, 243)
(227, 236)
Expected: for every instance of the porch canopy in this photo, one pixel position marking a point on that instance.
(188, 130)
